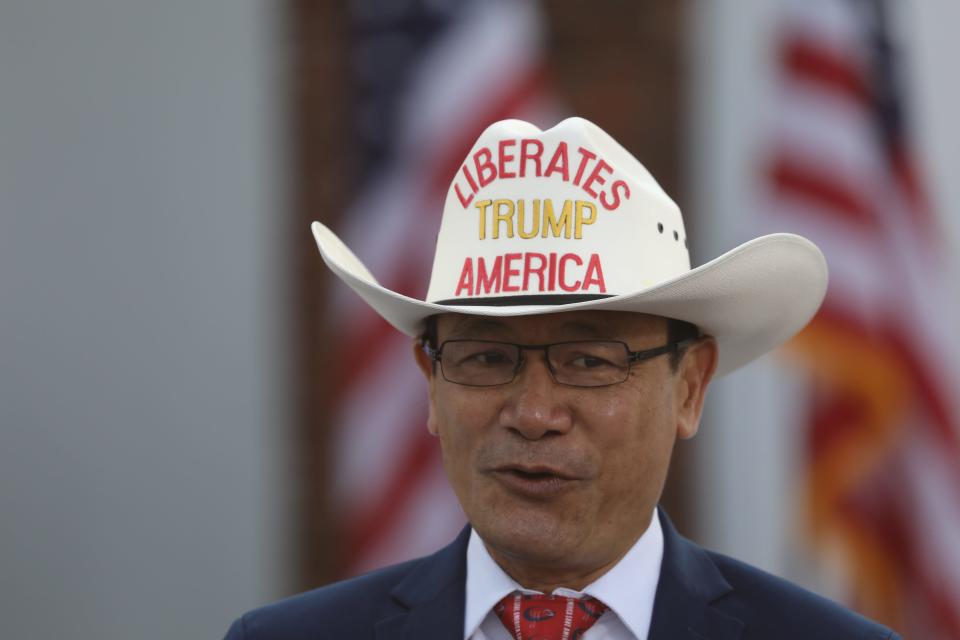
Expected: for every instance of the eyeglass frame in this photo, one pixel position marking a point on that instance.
(633, 357)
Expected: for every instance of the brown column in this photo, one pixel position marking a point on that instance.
(319, 139)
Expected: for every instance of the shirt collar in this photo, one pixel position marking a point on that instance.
(628, 588)
(487, 584)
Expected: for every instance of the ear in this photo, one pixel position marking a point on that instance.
(427, 366)
(424, 362)
(695, 372)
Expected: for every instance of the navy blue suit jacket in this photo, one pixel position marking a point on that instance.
(701, 596)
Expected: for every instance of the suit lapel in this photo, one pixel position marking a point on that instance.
(433, 595)
(689, 583)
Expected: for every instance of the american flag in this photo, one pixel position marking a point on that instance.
(431, 76)
(883, 434)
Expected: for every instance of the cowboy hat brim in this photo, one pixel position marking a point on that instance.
(750, 299)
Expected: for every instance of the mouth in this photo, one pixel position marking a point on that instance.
(534, 481)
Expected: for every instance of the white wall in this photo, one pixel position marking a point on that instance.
(747, 451)
(140, 329)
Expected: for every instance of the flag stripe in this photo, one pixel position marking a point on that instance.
(823, 189)
(918, 208)
(807, 61)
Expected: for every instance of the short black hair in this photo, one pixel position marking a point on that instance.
(429, 335)
(677, 330)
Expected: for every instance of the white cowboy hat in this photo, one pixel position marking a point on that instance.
(566, 219)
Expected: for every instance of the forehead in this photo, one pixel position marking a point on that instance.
(553, 326)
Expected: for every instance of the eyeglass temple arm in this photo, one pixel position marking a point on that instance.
(638, 356)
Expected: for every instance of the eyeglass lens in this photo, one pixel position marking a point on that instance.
(593, 363)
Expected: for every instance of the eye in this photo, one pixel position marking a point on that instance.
(472, 354)
(490, 356)
(589, 356)
(588, 361)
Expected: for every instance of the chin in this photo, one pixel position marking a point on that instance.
(529, 536)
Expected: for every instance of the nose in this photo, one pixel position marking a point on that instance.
(535, 407)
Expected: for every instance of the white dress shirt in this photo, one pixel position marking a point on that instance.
(627, 589)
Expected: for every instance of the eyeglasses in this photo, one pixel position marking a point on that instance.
(586, 363)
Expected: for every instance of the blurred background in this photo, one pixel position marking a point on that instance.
(195, 419)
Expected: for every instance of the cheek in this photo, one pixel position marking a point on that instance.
(454, 435)
(462, 420)
(637, 436)
(619, 418)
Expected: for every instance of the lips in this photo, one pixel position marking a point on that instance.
(536, 471)
(535, 481)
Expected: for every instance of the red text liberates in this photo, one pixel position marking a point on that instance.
(519, 158)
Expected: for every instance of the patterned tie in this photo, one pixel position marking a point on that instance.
(541, 617)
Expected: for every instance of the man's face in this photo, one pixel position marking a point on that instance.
(558, 476)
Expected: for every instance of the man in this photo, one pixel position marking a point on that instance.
(566, 345)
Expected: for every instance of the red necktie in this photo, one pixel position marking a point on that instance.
(541, 617)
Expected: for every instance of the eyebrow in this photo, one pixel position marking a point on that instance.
(573, 329)
(473, 324)
(581, 328)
